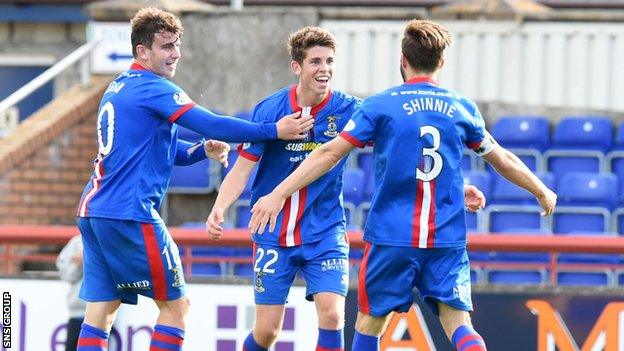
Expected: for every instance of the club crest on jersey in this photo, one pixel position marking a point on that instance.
(332, 127)
(181, 98)
(177, 281)
(258, 286)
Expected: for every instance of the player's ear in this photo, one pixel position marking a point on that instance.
(296, 67)
(141, 52)
(441, 64)
(403, 62)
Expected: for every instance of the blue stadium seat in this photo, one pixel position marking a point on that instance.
(242, 214)
(481, 180)
(206, 269)
(587, 189)
(538, 257)
(353, 187)
(470, 161)
(243, 270)
(583, 278)
(506, 193)
(522, 132)
(579, 144)
(583, 133)
(194, 178)
(502, 218)
(569, 219)
(516, 276)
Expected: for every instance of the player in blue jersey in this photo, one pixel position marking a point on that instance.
(310, 235)
(415, 232)
(127, 248)
(310, 232)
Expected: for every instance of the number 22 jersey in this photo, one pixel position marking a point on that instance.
(420, 132)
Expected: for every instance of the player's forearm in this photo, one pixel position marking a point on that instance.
(513, 169)
(231, 189)
(319, 162)
(188, 153)
(226, 128)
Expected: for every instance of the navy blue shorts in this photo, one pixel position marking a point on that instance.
(389, 274)
(124, 259)
(324, 265)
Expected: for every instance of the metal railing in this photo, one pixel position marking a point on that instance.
(81, 54)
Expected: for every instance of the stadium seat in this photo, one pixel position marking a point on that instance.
(536, 257)
(567, 219)
(351, 216)
(583, 133)
(505, 192)
(522, 132)
(193, 179)
(584, 278)
(481, 180)
(353, 185)
(470, 161)
(502, 218)
(516, 276)
(579, 144)
(243, 270)
(241, 214)
(587, 189)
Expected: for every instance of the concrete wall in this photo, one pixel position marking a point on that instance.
(232, 60)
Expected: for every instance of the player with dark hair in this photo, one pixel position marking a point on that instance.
(127, 248)
(415, 231)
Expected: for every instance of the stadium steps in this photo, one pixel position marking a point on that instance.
(51, 121)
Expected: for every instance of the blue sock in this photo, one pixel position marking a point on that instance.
(467, 339)
(363, 342)
(166, 338)
(92, 339)
(330, 340)
(251, 345)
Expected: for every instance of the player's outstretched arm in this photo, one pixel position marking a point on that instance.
(188, 153)
(474, 198)
(233, 130)
(319, 162)
(229, 191)
(513, 169)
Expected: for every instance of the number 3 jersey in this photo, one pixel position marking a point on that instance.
(420, 132)
(137, 147)
(315, 211)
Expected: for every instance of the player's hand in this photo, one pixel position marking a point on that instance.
(474, 198)
(213, 223)
(265, 211)
(294, 126)
(217, 150)
(548, 200)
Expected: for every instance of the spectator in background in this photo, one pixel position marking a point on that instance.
(69, 264)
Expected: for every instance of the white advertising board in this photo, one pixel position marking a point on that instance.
(220, 318)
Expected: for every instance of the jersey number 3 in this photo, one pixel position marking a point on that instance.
(436, 158)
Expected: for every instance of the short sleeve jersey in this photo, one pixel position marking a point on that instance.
(315, 211)
(137, 143)
(419, 131)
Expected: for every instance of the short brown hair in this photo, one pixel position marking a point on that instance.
(307, 37)
(149, 21)
(423, 44)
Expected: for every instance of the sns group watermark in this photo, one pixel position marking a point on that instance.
(6, 320)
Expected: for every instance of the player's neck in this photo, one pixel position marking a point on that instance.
(309, 98)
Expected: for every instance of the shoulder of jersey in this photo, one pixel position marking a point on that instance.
(340, 98)
(274, 99)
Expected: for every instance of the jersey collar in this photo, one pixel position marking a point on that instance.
(292, 93)
(136, 66)
(421, 79)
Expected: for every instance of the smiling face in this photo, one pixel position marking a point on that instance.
(316, 70)
(162, 57)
